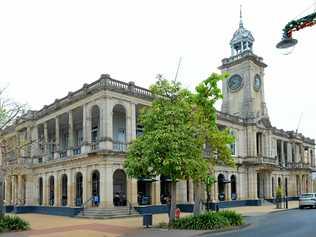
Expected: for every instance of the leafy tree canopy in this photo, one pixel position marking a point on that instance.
(176, 127)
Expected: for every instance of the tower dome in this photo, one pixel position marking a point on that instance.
(242, 39)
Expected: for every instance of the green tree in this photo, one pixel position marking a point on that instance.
(218, 151)
(176, 128)
(9, 111)
(170, 145)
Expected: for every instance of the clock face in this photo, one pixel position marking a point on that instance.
(257, 83)
(235, 82)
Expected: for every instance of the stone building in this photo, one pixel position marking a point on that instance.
(73, 149)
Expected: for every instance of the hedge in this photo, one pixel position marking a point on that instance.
(209, 221)
(13, 223)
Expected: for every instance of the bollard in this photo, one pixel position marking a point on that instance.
(147, 220)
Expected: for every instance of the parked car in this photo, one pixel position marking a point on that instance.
(307, 200)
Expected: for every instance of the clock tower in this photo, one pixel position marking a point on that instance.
(243, 90)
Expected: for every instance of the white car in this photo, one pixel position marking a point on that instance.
(307, 200)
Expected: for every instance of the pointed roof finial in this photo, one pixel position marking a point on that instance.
(240, 22)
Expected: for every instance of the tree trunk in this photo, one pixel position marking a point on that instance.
(197, 200)
(1, 198)
(173, 203)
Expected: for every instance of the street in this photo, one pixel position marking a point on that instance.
(291, 223)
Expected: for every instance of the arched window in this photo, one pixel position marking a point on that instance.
(40, 191)
(79, 189)
(51, 191)
(221, 187)
(95, 126)
(279, 182)
(95, 188)
(64, 190)
(233, 187)
(298, 187)
(233, 145)
(119, 188)
(119, 128)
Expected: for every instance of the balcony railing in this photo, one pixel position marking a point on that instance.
(260, 160)
(63, 153)
(119, 146)
(77, 150)
(299, 165)
(104, 83)
(94, 146)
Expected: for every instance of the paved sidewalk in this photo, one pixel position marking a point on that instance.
(261, 210)
(57, 226)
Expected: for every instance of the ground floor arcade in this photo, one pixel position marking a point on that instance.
(107, 185)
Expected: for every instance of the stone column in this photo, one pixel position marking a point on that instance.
(57, 145)
(131, 123)
(182, 191)
(57, 201)
(282, 152)
(45, 190)
(70, 188)
(132, 191)
(302, 153)
(155, 192)
(191, 191)
(106, 186)
(20, 190)
(239, 184)
(29, 140)
(86, 120)
(57, 188)
(108, 123)
(267, 186)
(31, 190)
(252, 183)
(289, 153)
(228, 191)
(270, 186)
(13, 187)
(89, 184)
(8, 190)
(297, 153)
(85, 181)
(70, 134)
(45, 157)
(215, 191)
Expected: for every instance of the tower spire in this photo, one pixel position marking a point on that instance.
(242, 39)
(240, 16)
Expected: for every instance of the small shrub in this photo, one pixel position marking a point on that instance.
(209, 221)
(13, 223)
(234, 218)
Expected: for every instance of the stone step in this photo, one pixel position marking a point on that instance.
(107, 211)
(104, 213)
(108, 217)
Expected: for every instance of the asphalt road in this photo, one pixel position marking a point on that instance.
(292, 223)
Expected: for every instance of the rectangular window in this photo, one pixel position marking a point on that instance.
(233, 145)
(259, 144)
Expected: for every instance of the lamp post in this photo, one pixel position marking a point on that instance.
(287, 41)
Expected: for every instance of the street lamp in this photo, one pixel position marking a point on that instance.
(287, 43)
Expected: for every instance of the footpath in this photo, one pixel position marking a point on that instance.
(58, 226)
